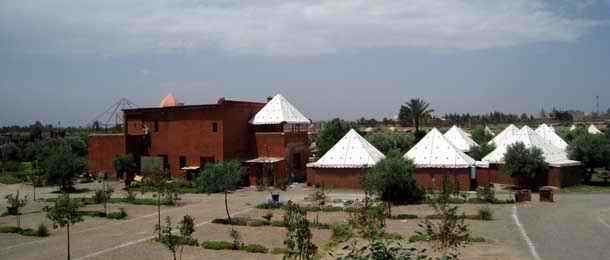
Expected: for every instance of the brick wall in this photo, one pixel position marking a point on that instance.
(101, 150)
(429, 178)
(345, 178)
(557, 176)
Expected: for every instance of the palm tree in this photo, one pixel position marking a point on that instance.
(415, 111)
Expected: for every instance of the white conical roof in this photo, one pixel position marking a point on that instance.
(573, 127)
(507, 134)
(548, 134)
(489, 131)
(593, 130)
(459, 139)
(278, 111)
(552, 154)
(435, 151)
(352, 151)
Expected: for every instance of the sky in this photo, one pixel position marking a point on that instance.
(68, 61)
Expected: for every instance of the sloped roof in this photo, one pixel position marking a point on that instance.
(552, 154)
(548, 134)
(507, 134)
(435, 151)
(168, 101)
(593, 130)
(352, 151)
(278, 110)
(459, 139)
(488, 130)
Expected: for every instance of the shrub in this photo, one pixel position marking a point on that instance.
(341, 232)
(268, 216)
(279, 251)
(28, 232)
(258, 222)
(419, 237)
(217, 245)
(476, 239)
(269, 205)
(42, 230)
(485, 213)
(392, 236)
(255, 248)
(403, 216)
(486, 193)
(236, 236)
(9, 229)
(299, 236)
(117, 215)
(130, 196)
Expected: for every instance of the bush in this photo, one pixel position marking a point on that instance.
(218, 177)
(22, 231)
(485, 213)
(419, 237)
(42, 230)
(476, 239)
(486, 193)
(341, 232)
(403, 216)
(269, 205)
(10, 229)
(118, 215)
(257, 223)
(99, 196)
(217, 245)
(255, 248)
(279, 251)
(268, 216)
(391, 236)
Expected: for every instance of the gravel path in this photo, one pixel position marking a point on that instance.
(575, 227)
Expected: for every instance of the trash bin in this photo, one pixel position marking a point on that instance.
(546, 194)
(523, 195)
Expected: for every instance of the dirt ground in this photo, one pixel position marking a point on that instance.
(99, 238)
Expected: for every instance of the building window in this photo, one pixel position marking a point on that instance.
(165, 161)
(214, 127)
(156, 126)
(182, 162)
(205, 160)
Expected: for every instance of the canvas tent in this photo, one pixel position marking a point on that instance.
(459, 139)
(549, 134)
(505, 136)
(593, 130)
(343, 165)
(277, 111)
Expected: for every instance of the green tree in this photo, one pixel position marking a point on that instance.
(331, 132)
(593, 151)
(62, 167)
(388, 141)
(65, 213)
(415, 111)
(187, 228)
(393, 180)
(299, 237)
(478, 152)
(481, 136)
(124, 164)
(223, 177)
(36, 176)
(15, 203)
(525, 164)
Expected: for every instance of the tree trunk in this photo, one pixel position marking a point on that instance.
(68, 232)
(227, 209)
(159, 214)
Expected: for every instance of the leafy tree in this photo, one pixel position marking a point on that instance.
(393, 180)
(388, 141)
(299, 237)
(65, 213)
(478, 152)
(77, 145)
(524, 164)
(593, 151)
(416, 110)
(62, 167)
(15, 204)
(223, 176)
(570, 135)
(187, 228)
(9, 152)
(481, 136)
(331, 132)
(123, 164)
(36, 131)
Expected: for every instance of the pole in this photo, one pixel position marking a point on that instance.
(68, 230)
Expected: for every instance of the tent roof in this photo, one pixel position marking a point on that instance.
(278, 111)
(593, 130)
(435, 151)
(488, 130)
(352, 151)
(548, 134)
(507, 134)
(552, 154)
(459, 139)
(573, 127)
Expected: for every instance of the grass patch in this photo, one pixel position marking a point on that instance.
(424, 237)
(403, 216)
(250, 222)
(121, 214)
(586, 188)
(308, 208)
(11, 178)
(341, 232)
(73, 191)
(42, 231)
(226, 245)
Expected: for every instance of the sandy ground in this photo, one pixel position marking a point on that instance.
(98, 238)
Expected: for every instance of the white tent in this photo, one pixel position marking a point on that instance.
(593, 130)
(278, 110)
(506, 135)
(573, 127)
(552, 154)
(549, 135)
(459, 139)
(435, 151)
(352, 151)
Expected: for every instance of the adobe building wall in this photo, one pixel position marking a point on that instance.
(292, 146)
(556, 176)
(342, 178)
(255, 172)
(432, 178)
(102, 148)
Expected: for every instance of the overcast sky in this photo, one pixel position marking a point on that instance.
(68, 61)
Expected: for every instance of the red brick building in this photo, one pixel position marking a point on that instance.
(187, 137)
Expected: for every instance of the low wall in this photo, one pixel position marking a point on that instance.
(432, 178)
(345, 178)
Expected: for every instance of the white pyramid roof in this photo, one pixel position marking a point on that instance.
(278, 111)
(506, 135)
(435, 151)
(593, 130)
(548, 134)
(552, 154)
(459, 139)
(352, 151)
